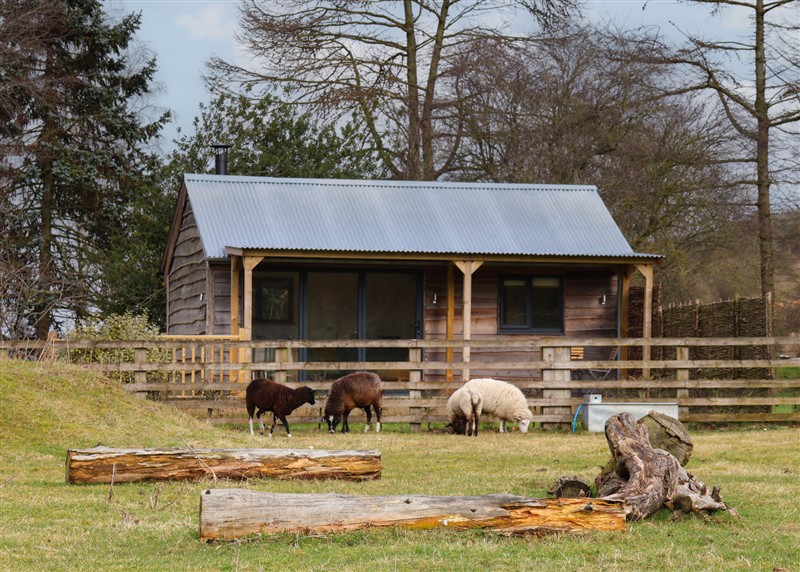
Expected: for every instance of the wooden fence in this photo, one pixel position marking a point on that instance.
(206, 376)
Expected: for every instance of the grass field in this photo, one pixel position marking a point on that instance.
(46, 524)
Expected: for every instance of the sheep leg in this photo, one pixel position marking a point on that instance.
(260, 417)
(345, 424)
(251, 410)
(502, 426)
(368, 411)
(285, 424)
(469, 426)
(377, 419)
(476, 419)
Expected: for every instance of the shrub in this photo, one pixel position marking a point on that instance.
(119, 327)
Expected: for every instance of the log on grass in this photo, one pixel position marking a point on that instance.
(227, 514)
(645, 478)
(107, 465)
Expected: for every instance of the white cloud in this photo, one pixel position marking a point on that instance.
(212, 22)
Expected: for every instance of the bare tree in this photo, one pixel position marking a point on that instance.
(566, 110)
(387, 61)
(762, 103)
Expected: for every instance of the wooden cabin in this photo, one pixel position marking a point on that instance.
(311, 259)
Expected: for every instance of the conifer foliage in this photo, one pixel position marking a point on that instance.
(73, 154)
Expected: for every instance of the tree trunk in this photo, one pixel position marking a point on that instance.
(667, 433)
(412, 89)
(227, 514)
(42, 309)
(763, 180)
(106, 465)
(646, 479)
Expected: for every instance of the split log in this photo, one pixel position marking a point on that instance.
(107, 465)
(227, 514)
(645, 478)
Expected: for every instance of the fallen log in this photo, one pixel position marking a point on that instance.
(645, 478)
(107, 465)
(227, 514)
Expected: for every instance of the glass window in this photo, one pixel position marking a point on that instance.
(546, 303)
(515, 304)
(531, 304)
(273, 300)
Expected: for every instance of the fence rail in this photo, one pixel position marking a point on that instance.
(206, 376)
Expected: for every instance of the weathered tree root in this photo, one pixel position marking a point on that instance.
(646, 479)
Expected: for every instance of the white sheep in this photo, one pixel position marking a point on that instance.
(504, 401)
(464, 408)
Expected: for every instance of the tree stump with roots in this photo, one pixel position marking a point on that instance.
(645, 478)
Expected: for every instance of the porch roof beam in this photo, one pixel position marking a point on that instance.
(440, 257)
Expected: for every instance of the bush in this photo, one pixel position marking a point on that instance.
(119, 327)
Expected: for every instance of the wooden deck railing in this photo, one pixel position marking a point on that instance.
(207, 375)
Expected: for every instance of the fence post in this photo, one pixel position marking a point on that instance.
(281, 356)
(682, 374)
(140, 358)
(552, 374)
(415, 376)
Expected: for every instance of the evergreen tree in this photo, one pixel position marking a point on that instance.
(72, 151)
(269, 138)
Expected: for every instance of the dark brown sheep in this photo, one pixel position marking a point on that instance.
(361, 389)
(281, 400)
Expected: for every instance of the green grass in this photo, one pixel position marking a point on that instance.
(789, 372)
(47, 524)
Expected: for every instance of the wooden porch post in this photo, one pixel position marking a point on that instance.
(451, 315)
(624, 318)
(467, 267)
(236, 263)
(250, 262)
(647, 325)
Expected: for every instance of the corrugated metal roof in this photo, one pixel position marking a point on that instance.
(402, 217)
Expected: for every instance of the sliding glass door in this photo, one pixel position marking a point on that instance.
(339, 305)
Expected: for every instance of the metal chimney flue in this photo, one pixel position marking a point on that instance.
(221, 158)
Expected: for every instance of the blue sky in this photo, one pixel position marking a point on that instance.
(183, 34)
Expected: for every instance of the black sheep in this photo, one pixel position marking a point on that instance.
(281, 400)
(361, 389)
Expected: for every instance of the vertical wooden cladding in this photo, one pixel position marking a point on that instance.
(187, 295)
(221, 281)
(584, 314)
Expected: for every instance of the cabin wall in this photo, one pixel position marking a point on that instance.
(584, 316)
(221, 289)
(187, 284)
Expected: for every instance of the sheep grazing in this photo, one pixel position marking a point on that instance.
(281, 400)
(361, 389)
(504, 401)
(464, 409)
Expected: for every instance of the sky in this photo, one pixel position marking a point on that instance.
(183, 34)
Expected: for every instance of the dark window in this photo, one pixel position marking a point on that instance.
(531, 304)
(273, 300)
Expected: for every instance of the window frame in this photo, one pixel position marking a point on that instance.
(529, 327)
